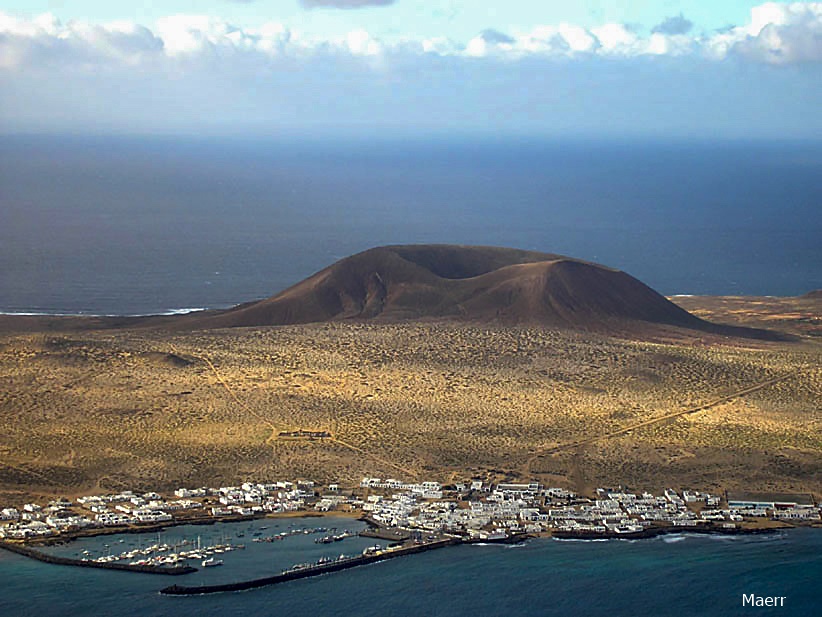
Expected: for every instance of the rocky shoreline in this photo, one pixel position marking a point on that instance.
(653, 532)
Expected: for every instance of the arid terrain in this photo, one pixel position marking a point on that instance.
(105, 409)
(438, 362)
(800, 315)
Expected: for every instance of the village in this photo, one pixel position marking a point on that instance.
(474, 510)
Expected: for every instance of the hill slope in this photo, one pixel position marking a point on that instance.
(468, 283)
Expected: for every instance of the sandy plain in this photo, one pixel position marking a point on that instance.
(103, 410)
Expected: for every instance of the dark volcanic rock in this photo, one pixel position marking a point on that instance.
(468, 283)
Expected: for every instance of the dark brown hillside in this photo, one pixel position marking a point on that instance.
(468, 283)
(566, 292)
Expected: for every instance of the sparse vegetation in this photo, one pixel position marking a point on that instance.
(147, 408)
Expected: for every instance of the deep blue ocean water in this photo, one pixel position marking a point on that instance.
(134, 226)
(675, 575)
(146, 225)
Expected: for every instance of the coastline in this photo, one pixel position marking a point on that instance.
(653, 532)
(470, 580)
(70, 536)
(162, 313)
(378, 531)
(398, 546)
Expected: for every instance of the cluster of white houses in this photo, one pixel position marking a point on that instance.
(783, 506)
(475, 508)
(495, 511)
(425, 490)
(128, 508)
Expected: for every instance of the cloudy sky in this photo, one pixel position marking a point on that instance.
(649, 68)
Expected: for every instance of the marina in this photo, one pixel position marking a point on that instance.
(335, 538)
(215, 554)
(145, 568)
(164, 554)
(463, 579)
(266, 534)
(309, 570)
(259, 537)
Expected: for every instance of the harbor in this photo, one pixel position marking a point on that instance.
(224, 552)
(316, 569)
(163, 554)
(264, 534)
(143, 568)
(460, 579)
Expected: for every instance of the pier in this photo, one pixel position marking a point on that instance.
(292, 575)
(68, 561)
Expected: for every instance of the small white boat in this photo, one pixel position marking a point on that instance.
(211, 562)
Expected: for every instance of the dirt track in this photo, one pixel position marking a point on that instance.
(623, 431)
(113, 409)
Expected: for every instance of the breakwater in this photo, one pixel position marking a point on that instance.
(67, 561)
(291, 575)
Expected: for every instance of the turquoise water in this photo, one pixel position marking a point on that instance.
(673, 575)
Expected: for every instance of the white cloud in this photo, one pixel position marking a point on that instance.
(564, 39)
(478, 47)
(45, 41)
(783, 33)
(776, 34)
(361, 43)
(187, 35)
(670, 44)
(617, 39)
(577, 38)
(440, 46)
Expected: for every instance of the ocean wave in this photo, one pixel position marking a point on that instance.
(499, 544)
(181, 311)
(745, 537)
(168, 312)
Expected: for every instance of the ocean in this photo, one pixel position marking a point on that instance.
(668, 576)
(152, 225)
(122, 225)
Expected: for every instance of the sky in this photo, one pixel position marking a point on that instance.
(460, 19)
(525, 68)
